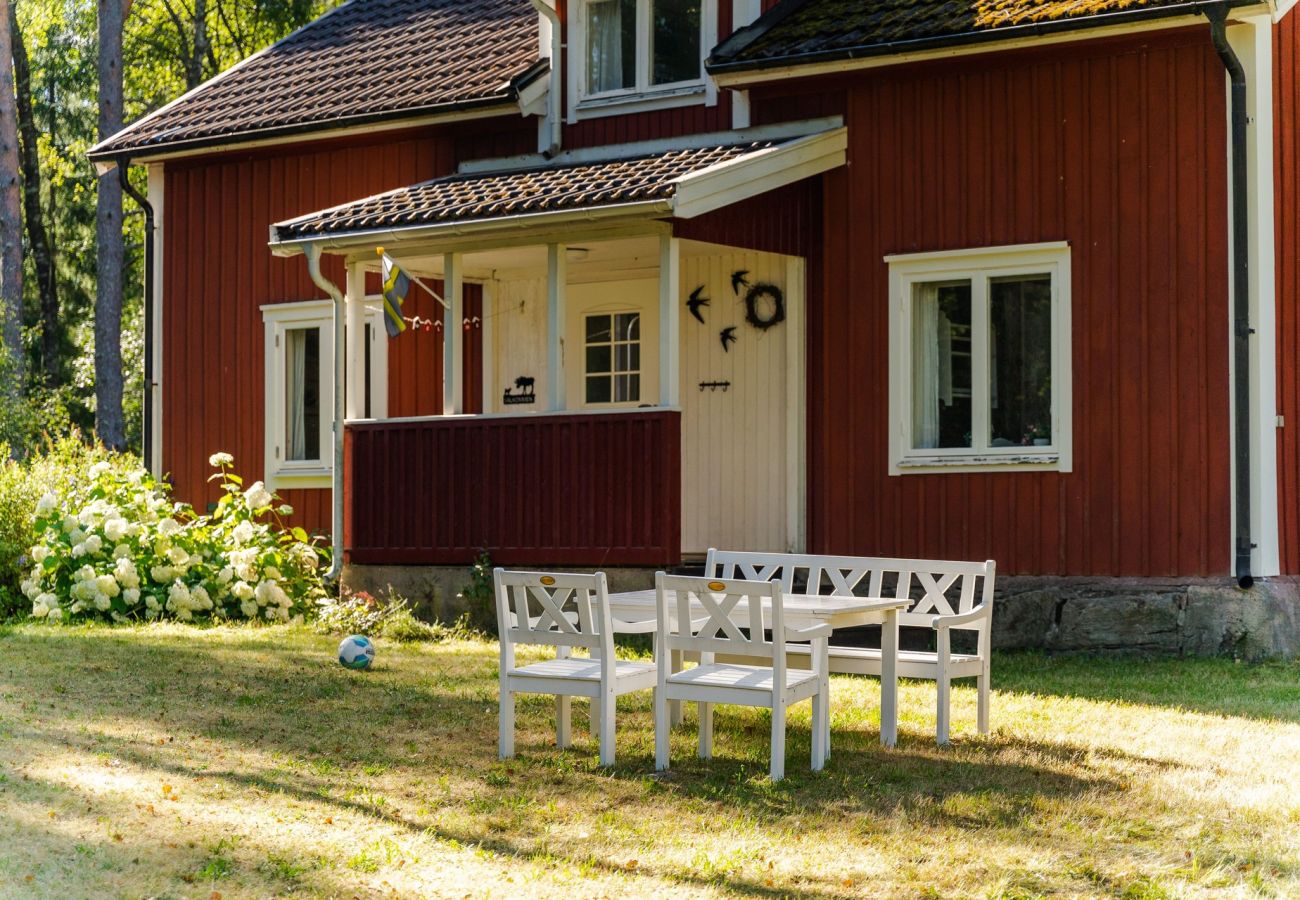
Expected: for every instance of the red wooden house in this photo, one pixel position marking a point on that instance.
(1008, 280)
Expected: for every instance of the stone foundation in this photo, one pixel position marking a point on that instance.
(1168, 617)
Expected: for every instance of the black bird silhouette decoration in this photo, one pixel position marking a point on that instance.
(738, 279)
(728, 337)
(696, 302)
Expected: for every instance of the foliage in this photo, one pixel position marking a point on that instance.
(168, 46)
(479, 591)
(111, 545)
(360, 612)
(22, 483)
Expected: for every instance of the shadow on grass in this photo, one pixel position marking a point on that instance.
(434, 713)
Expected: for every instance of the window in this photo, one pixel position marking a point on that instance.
(980, 359)
(299, 372)
(613, 358)
(643, 50)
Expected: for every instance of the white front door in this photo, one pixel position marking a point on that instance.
(741, 404)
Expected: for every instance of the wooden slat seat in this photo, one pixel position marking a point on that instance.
(745, 678)
(581, 669)
(911, 663)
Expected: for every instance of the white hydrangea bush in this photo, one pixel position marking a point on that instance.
(114, 547)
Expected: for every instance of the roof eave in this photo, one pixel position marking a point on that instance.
(734, 72)
(504, 103)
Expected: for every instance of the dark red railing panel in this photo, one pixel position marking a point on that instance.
(586, 490)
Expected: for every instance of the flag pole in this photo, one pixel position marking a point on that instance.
(379, 251)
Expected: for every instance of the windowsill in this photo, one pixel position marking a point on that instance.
(1028, 461)
(306, 477)
(622, 104)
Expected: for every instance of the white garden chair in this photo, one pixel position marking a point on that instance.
(567, 612)
(931, 606)
(695, 615)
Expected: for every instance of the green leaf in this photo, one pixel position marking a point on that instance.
(300, 534)
(232, 477)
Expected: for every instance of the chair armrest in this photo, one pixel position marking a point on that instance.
(811, 633)
(980, 612)
(646, 626)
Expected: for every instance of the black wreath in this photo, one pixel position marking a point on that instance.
(755, 293)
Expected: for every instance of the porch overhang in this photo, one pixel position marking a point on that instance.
(630, 185)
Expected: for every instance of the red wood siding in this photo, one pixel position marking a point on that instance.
(1286, 106)
(786, 220)
(1118, 148)
(218, 272)
(584, 490)
(415, 357)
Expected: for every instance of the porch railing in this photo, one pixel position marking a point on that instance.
(577, 489)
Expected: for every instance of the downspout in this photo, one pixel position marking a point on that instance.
(554, 91)
(144, 204)
(312, 252)
(1241, 330)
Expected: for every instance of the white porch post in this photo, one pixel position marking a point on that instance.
(356, 342)
(453, 335)
(670, 341)
(556, 276)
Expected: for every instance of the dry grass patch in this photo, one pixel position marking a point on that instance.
(169, 761)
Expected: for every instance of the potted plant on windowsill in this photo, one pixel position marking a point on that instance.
(1038, 436)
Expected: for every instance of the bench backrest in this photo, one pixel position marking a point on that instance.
(934, 587)
(711, 615)
(554, 610)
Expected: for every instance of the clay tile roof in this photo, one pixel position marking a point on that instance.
(494, 195)
(797, 31)
(366, 61)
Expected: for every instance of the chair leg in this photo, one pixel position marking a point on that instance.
(778, 740)
(675, 712)
(607, 727)
(563, 718)
(662, 729)
(943, 689)
(506, 740)
(594, 713)
(982, 709)
(706, 730)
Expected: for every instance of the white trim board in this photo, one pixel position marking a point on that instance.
(156, 191)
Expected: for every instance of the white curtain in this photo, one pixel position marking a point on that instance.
(926, 361)
(295, 389)
(605, 40)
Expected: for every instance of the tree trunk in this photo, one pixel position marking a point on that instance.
(11, 245)
(42, 253)
(202, 46)
(108, 238)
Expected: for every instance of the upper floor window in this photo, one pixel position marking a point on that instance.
(643, 49)
(980, 359)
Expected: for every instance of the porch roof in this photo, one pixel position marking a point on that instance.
(683, 182)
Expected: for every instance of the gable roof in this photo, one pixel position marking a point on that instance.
(683, 182)
(364, 62)
(797, 32)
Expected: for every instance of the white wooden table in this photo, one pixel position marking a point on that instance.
(804, 611)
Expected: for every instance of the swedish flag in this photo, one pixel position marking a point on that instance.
(396, 285)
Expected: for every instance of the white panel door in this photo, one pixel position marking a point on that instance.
(736, 443)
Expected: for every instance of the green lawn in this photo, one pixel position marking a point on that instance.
(175, 762)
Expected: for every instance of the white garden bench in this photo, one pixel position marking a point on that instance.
(930, 585)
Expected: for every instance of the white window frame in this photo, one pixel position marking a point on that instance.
(613, 356)
(643, 96)
(278, 319)
(979, 266)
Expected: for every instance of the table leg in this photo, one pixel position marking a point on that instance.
(889, 679)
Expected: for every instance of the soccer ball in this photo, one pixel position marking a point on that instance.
(356, 652)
